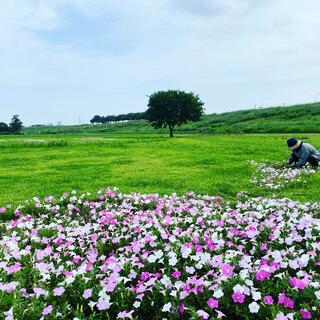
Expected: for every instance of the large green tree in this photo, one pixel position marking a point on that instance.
(16, 124)
(173, 108)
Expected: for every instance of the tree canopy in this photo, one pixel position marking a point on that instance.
(173, 108)
(4, 128)
(16, 124)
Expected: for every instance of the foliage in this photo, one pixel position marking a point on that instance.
(4, 128)
(173, 108)
(16, 124)
(121, 117)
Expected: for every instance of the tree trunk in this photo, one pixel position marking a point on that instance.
(171, 132)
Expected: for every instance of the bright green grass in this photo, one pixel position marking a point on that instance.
(215, 165)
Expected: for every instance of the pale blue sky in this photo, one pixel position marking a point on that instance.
(65, 59)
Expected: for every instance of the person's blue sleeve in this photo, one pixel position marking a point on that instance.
(303, 160)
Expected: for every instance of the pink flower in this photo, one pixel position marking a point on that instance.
(76, 259)
(264, 246)
(40, 291)
(87, 293)
(238, 297)
(227, 269)
(213, 303)
(202, 314)
(47, 310)
(176, 274)
(181, 308)
(288, 303)
(14, 268)
(103, 305)
(88, 266)
(268, 300)
(282, 297)
(196, 239)
(305, 314)
(281, 316)
(125, 315)
(261, 275)
(2, 210)
(297, 283)
(145, 276)
(58, 291)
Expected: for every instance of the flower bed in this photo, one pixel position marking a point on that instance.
(277, 175)
(149, 257)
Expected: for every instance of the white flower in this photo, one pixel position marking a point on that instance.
(254, 307)
(314, 284)
(137, 304)
(304, 259)
(202, 314)
(152, 258)
(249, 283)
(103, 295)
(166, 282)
(9, 314)
(199, 266)
(178, 285)
(220, 314)
(159, 254)
(173, 293)
(218, 294)
(186, 253)
(244, 274)
(92, 304)
(69, 280)
(242, 289)
(167, 307)
(317, 293)
(256, 295)
(190, 270)
(173, 261)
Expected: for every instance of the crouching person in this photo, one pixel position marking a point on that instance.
(302, 153)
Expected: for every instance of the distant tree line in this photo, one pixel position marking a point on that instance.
(14, 127)
(119, 118)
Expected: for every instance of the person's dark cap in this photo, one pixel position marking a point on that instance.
(293, 143)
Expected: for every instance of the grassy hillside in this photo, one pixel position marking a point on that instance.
(304, 118)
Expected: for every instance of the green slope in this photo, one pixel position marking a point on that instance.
(303, 118)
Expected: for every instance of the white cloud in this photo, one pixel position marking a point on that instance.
(105, 56)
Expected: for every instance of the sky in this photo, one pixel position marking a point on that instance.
(68, 60)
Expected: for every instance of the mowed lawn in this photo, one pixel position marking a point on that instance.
(216, 165)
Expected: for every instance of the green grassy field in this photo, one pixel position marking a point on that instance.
(216, 165)
(304, 118)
